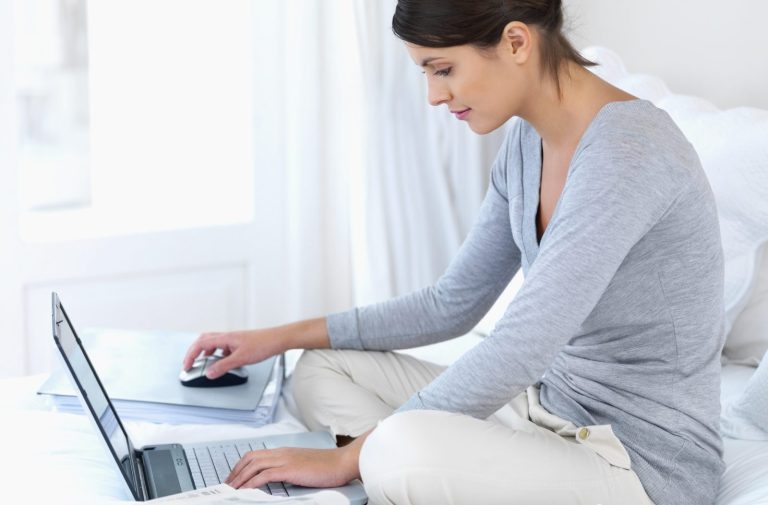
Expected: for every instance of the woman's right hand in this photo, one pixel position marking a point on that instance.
(240, 348)
(251, 346)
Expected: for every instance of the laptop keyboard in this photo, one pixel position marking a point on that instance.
(211, 465)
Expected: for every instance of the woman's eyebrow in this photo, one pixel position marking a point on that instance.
(426, 61)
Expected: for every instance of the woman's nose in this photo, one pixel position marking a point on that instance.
(437, 94)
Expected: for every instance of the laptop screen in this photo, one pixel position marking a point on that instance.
(92, 392)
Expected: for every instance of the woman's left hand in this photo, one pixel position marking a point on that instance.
(303, 467)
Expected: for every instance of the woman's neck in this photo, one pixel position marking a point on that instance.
(562, 120)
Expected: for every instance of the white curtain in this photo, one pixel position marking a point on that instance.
(423, 175)
(381, 188)
(318, 127)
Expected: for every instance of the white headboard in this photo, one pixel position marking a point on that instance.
(713, 49)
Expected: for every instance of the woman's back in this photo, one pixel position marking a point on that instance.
(647, 358)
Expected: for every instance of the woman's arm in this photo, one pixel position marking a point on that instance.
(482, 268)
(609, 203)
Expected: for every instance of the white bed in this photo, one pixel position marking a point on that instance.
(57, 458)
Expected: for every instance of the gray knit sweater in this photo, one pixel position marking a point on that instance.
(620, 318)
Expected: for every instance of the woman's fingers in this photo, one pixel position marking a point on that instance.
(250, 465)
(241, 464)
(207, 342)
(222, 366)
(260, 479)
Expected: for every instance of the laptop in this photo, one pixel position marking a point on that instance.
(161, 470)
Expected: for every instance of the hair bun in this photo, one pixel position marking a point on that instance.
(554, 17)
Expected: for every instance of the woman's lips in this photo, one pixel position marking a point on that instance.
(461, 114)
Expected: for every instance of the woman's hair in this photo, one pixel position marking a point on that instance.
(480, 23)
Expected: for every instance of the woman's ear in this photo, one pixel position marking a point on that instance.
(516, 41)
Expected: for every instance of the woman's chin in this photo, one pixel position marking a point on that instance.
(482, 128)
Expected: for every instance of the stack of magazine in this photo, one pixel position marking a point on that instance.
(140, 372)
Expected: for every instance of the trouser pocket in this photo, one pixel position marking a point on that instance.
(599, 438)
(602, 440)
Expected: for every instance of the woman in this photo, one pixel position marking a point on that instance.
(600, 383)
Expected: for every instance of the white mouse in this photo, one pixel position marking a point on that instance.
(195, 376)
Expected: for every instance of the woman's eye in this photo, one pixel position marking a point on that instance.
(444, 72)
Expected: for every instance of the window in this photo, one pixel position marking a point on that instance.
(51, 55)
(134, 115)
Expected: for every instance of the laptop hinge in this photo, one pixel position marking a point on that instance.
(141, 481)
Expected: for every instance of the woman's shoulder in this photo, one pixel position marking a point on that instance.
(636, 136)
(635, 128)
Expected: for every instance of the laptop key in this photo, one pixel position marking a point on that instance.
(194, 468)
(222, 469)
(210, 479)
(277, 488)
(197, 478)
(207, 468)
(243, 448)
(230, 453)
(191, 459)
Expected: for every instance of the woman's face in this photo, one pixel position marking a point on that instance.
(485, 89)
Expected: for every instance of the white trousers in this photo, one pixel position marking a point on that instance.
(520, 455)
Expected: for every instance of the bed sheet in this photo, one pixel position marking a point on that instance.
(745, 481)
(58, 458)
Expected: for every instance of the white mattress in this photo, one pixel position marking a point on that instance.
(56, 458)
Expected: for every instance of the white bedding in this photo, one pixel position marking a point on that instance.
(745, 481)
(58, 458)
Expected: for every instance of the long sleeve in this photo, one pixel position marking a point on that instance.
(482, 268)
(610, 201)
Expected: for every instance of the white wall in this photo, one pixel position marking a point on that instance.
(712, 49)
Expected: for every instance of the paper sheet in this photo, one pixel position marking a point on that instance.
(226, 495)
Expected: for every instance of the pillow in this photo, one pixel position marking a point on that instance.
(748, 340)
(733, 151)
(734, 154)
(747, 417)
